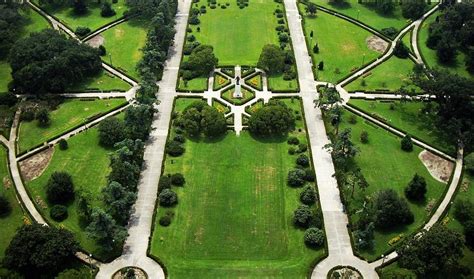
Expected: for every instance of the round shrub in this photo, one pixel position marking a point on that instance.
(314, 237)
(309, 175)
(302, 147)
(407, 144)
(464, 210)
(168, 198)
(63, 144)
(352, 119)
(165, 183)
(5, 207)
(102, 51)
(416, 189)
(296, 177)
(308, 196)
(469, 162)
(174, 149)
(59, 188)
(179, 138)
(165, 221)
(82, 31)
(293, 140)
(303, 216)
(291, 151)
(364, 137)
(302, 160)
(177, 179)
(58, 213)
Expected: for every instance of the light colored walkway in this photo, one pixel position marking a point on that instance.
(335, 220)
(103, 28)
(141, 221)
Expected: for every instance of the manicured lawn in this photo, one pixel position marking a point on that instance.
(429, 55)
(91, 19)
(104, 81)
(88, 164)
(276, 82)
(196, 84)
(388, 76)
(234, 217)
(342, 45)
(14, 220)
(407, 40)
(385, 165)
(367, 15)
(407, 117)
(68, 115)
(247, 95)
(123, 43)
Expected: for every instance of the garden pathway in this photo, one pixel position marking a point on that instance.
(141, 221)
(335, 219)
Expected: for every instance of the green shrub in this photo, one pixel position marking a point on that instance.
(303, 216)
(391, 210)
(102, 51)
(177, 179)
(291, 151)
(416, 189)
(63, 144)
(469, 162)
(59, 188)
(296, 177)
(309, 175)
(364, 137)
(5, 207)
(82, 31)
(165, 183)
(168, 198)
(174, 148)
(308, 196)
(293, 140)
(464, 211)
(407, 144)
(302, 160)
(302, 147)
(314, 237)
(58, 213)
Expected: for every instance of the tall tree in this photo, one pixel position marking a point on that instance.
(342, 148)
(272, 59)
(105, 231)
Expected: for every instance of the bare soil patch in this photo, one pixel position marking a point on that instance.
(376, 43)
(96, 41)
(34, 166)
(438, 167)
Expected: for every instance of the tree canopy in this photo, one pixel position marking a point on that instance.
(200, 63)
(274, 119)
(199, 118)
(391, 210)
(48, 62)
(272, 59)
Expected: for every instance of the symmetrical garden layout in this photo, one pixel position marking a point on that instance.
(236, 212)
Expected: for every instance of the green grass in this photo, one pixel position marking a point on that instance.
(407, 117)
(238, 35)
(123, 43)
(385, 165)
(220, 81)
(367, 15)
(14, 220)
(234, 214)
(276, 82)
(68, 115)
(196, 84)
(220, 107)
(342, 53)
(88, 164)
(390, 75)
(429, 55)
(104, 81)
(407, 40)
(91, 19)
(394, 271)
(5, 76)
(255, 82)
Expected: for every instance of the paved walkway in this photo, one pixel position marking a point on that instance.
(141, 221)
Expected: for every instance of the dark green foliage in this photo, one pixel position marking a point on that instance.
(166, 219)
(118, 201)
(314, 237)
(79, 7)
(391, 210)
(83, 209)
(82, 31)
(43, 117)
(390, 32)
(59, 188)
(33, 68)
(311, 8)
(308, 196)
(273, 119)
(272, 59)
(321, 65)
(407, 144)
(302, 147)
(200, 118)
(413, 9)
(102, 51)
(401, 50)
(5, 207)
(464, 210)
(168, 198)
(8, 99)
(104, 230)
(296, 177)
(74, 274)
(200, 63)
(309, 175)
(11, 23)
(179, 138)
(58, 213)
(384, 7)
(40, 249)
(364, 137)
(469, 234)
(293, 140)
(177, 179)
(364, 238)
(165, 183)
(302, 160)
(316, 48)
(106, 10)
(342, 148)
(63, 145)
(174, 148)
(469, 163)
(111, 131)
(436, 250)
(138, 119)
(416, 189)
(303, 216)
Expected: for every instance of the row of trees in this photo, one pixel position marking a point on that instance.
(11, 23)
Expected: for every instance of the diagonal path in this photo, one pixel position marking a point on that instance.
(141, 221)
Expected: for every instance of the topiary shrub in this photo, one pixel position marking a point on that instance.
(174, 148)
(293, 141)
(168, 198)
(296, 177)
(106, 10)
(166, 219)
(5, 207)
(314, 237)
(407, 144)
(302, 160)
(82, 31)
(177, 179)
(165, 183)
(302, 147)
(309, 175)
(308, 196)
(63, 144)
(303, 216)
(391, 210)
(416, 189)
(58, 213)
(179, 138)
(59, 188)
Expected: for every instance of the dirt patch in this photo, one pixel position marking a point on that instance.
(130, 272)
(96, 41)
(376, 43)
(34, 166)
(438, 167)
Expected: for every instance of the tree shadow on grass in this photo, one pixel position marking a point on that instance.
(270, 139)
(341, 6)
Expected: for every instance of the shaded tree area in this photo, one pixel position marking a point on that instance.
(200, 63)
(274, 119)
(11, 23)
(199, 118)
(453, 31)
(48, 62)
